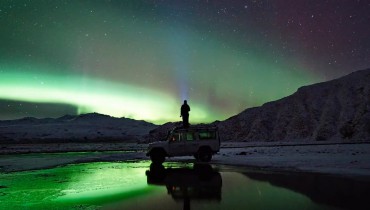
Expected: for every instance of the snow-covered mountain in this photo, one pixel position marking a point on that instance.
(82, 128)
(337, 109)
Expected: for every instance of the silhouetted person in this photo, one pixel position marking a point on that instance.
(185, 109)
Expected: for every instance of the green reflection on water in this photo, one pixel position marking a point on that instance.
(80, 185)
(123, 185)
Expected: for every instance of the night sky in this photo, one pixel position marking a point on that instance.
(141, 59)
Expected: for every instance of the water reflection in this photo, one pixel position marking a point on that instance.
(139, 185)
(334, 191)
(201, 182)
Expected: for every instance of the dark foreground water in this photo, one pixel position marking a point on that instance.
(139, 185)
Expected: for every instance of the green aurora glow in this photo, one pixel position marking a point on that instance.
(129, 59)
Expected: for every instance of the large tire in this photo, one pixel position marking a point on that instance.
(157, 157)
(205, 155)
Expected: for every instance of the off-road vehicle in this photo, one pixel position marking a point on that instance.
(200, 141)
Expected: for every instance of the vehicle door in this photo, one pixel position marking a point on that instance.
(209, 138)
(176, 145)
(191, 143)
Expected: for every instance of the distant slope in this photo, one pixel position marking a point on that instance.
(83, 128)
(337, 109)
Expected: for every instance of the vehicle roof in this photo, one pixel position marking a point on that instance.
(195, 128)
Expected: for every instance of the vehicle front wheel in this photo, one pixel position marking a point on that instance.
(157, 157)
(205, 155)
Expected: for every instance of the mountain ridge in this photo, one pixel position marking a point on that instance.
(336, 109)
(91, 127)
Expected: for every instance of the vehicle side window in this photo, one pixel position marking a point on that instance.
(189, 136)
(207, 135)
(175, 137)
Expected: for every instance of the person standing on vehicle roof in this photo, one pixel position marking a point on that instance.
(185, 109)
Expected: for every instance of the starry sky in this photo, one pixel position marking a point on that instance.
(141, 59)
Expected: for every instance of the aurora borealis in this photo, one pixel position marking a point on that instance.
(140, 59)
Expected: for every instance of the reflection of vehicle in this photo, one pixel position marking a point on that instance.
(201, 182)
(200, 141)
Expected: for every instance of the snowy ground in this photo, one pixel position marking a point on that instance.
(6, 149)
(351, 160)
(341, 159)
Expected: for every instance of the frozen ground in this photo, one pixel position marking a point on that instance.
(341, 159)
(351, 160)
(6, 149)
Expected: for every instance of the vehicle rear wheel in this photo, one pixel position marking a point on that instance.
(157, 157)
(205, 155)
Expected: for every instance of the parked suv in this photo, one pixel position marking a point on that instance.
(200, 141)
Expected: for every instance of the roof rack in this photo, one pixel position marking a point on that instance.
(196, 128)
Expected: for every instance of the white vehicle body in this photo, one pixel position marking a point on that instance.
(200, 141)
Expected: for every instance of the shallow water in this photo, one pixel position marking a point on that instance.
(140, 185)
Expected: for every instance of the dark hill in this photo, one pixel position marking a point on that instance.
(337, 109)
(91, 127)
